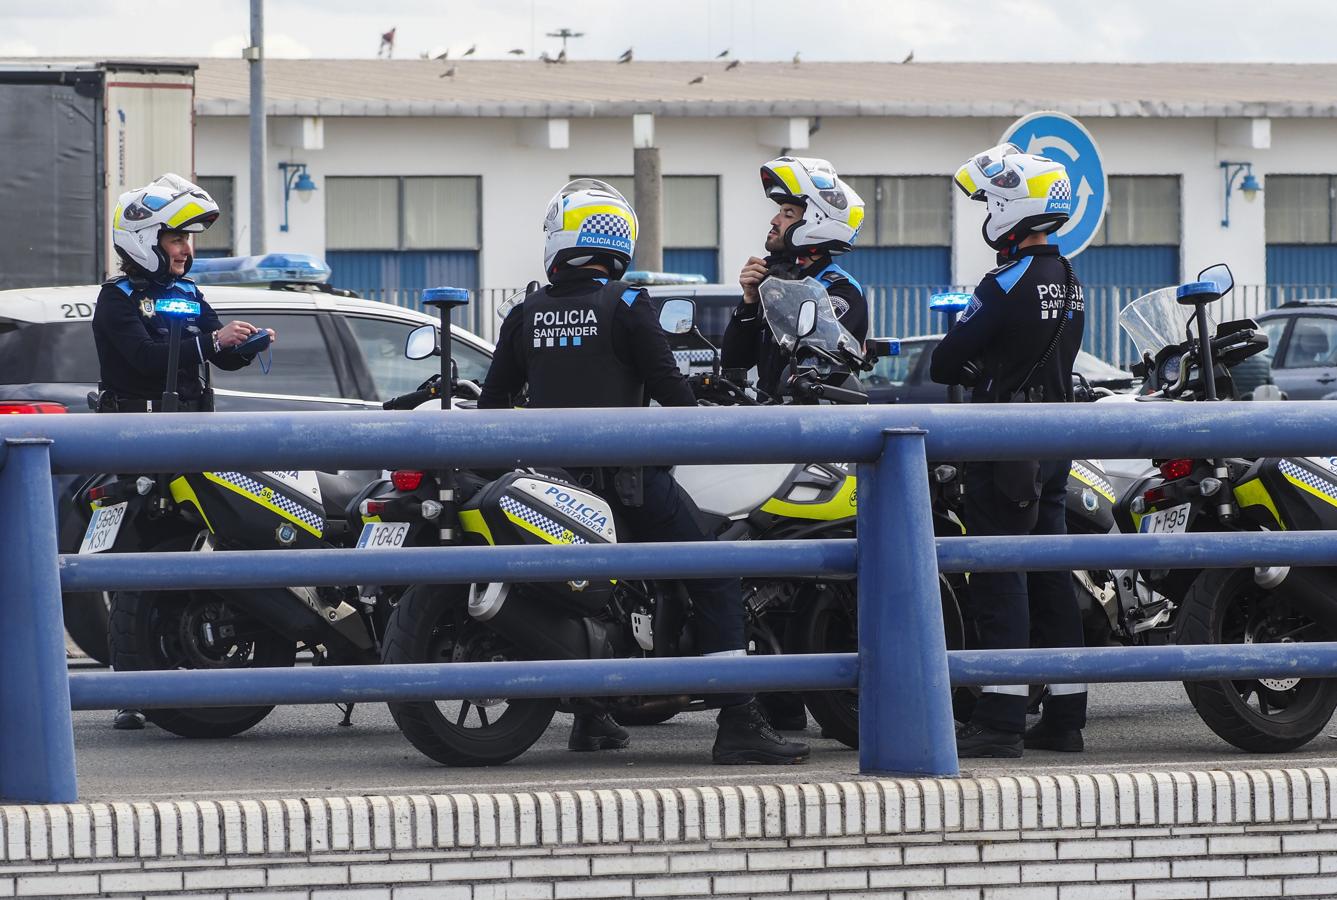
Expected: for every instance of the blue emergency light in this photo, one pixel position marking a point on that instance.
(949, 301)
(176, 308)
(445, 296)
(298, 267)
(645, 278)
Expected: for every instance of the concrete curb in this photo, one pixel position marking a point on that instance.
(1245, 829)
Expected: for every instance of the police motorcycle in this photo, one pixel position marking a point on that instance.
(244, 511)
(1186, 357)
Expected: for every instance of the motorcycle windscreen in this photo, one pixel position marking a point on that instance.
(732, 491)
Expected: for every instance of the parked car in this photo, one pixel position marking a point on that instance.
(1302, 348)
(895, 379)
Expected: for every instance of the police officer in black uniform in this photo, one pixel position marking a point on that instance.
(819, 218)
(588, 340)
(151, 231)
(1016, 342)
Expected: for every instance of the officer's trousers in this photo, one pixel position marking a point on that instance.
(1022, 609)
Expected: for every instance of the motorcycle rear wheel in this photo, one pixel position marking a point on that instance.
(432, 624)
(88, 621)
(1226, 606)
(156, 630)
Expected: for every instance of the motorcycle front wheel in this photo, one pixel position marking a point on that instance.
(155, 630)
(1261, 715)
(432, 624)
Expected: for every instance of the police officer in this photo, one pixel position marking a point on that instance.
(1016, 342)
(588, 340)
(819, 218)
(151, 231)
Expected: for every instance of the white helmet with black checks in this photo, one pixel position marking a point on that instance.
(588, 221)
(170, 203)
(1025, 194)
(832, 210)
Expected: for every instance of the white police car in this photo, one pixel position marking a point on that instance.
(334, 351)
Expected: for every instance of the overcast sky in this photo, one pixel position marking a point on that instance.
(936, 30)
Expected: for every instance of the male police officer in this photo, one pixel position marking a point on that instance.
(819, 217)
(588, 340)
(151, 231)
(1016, 342)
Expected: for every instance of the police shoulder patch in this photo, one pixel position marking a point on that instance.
(630, 294)
(840, 305)
(971, 308)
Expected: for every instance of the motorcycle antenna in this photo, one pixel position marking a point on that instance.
(445, 300)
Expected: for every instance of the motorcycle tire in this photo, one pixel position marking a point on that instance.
(88, 622)
(830, 625)
(147, 634)
(432, 624)
(1226, 606)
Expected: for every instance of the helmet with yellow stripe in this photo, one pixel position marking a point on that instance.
(170, 203)
(588, 221)
(1025, 194)
(832, 210)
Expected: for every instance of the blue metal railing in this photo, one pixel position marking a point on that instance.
(901, 669)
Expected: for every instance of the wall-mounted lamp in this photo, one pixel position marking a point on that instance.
(1248, 185)
(295, 178)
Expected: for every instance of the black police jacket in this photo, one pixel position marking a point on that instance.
(132, 341)
(584, 341)
(748, 342)
(1011, 319)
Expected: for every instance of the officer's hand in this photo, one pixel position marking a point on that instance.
(234, 333)
(753, 274)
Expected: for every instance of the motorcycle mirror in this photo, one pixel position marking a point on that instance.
(807, 318)
(422, 342)
(677, 316)
(1219, 275)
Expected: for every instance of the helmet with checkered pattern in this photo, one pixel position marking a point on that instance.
(832, 210)
(171, 203)
(588, 221)
(1025, 194)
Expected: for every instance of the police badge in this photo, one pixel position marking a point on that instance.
(146, 308)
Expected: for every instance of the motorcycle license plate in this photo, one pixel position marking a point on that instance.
(103, 528)
(1168, 521)
(382, 535)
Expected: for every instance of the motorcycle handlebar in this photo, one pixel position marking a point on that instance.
(409, 400)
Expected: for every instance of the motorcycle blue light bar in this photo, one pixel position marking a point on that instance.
(643, 277)
(1196, 287)
(949, 301)
(176, 308)
(445, 296)
(300, 267)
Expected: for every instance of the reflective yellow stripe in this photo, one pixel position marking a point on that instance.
(543, 535)
(856, 217)
(116, 217)
(1309, 490)
(471, 520)
(1091, 484)
(185, 214)
(786, 174)
(967, 183)
(1252, 493)
(1039, 185)
(841, 506)
(256, 498)
(573, 218)
(182, 492)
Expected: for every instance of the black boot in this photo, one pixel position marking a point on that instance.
(744, 736)
(597, 731)
(128, 720)
(977, 741)
(1045, 737)
(785, 711)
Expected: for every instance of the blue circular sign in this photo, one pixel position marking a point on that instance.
(1062, 138)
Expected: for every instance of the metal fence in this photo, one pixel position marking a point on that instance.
(901, 670)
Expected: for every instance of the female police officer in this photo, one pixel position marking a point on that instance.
(1016, 342)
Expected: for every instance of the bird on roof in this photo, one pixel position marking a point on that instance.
(387, 48)
(449, 73)
(516, 52)
(561, 57)
(733, 65)
(626, 56)
(473, 48)
(910, 57)
(443, 54)
(723, 53)
(796, 59)
(697, 80)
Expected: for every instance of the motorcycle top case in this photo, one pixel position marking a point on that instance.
(257, 509)
(1298, 492)
(530, 508)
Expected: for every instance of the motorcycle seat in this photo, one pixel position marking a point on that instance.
(337, 492)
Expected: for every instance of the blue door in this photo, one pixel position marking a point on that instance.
(898, 282)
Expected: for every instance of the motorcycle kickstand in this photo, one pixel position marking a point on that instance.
(347, 710)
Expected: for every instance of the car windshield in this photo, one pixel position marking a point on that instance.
(1157, 320)
(47, 353)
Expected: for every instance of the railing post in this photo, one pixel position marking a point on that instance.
(905, 697)
(36, 736)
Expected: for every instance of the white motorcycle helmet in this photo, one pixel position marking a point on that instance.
(589, 221)
(1025, 194)
(170, 203)
(832, 210)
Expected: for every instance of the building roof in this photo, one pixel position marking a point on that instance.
(531, 88)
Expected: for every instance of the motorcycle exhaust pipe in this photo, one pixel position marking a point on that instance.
(537, 626)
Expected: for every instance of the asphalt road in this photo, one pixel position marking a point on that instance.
(301, 751)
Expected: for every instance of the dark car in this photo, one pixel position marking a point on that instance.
(1302, 348)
